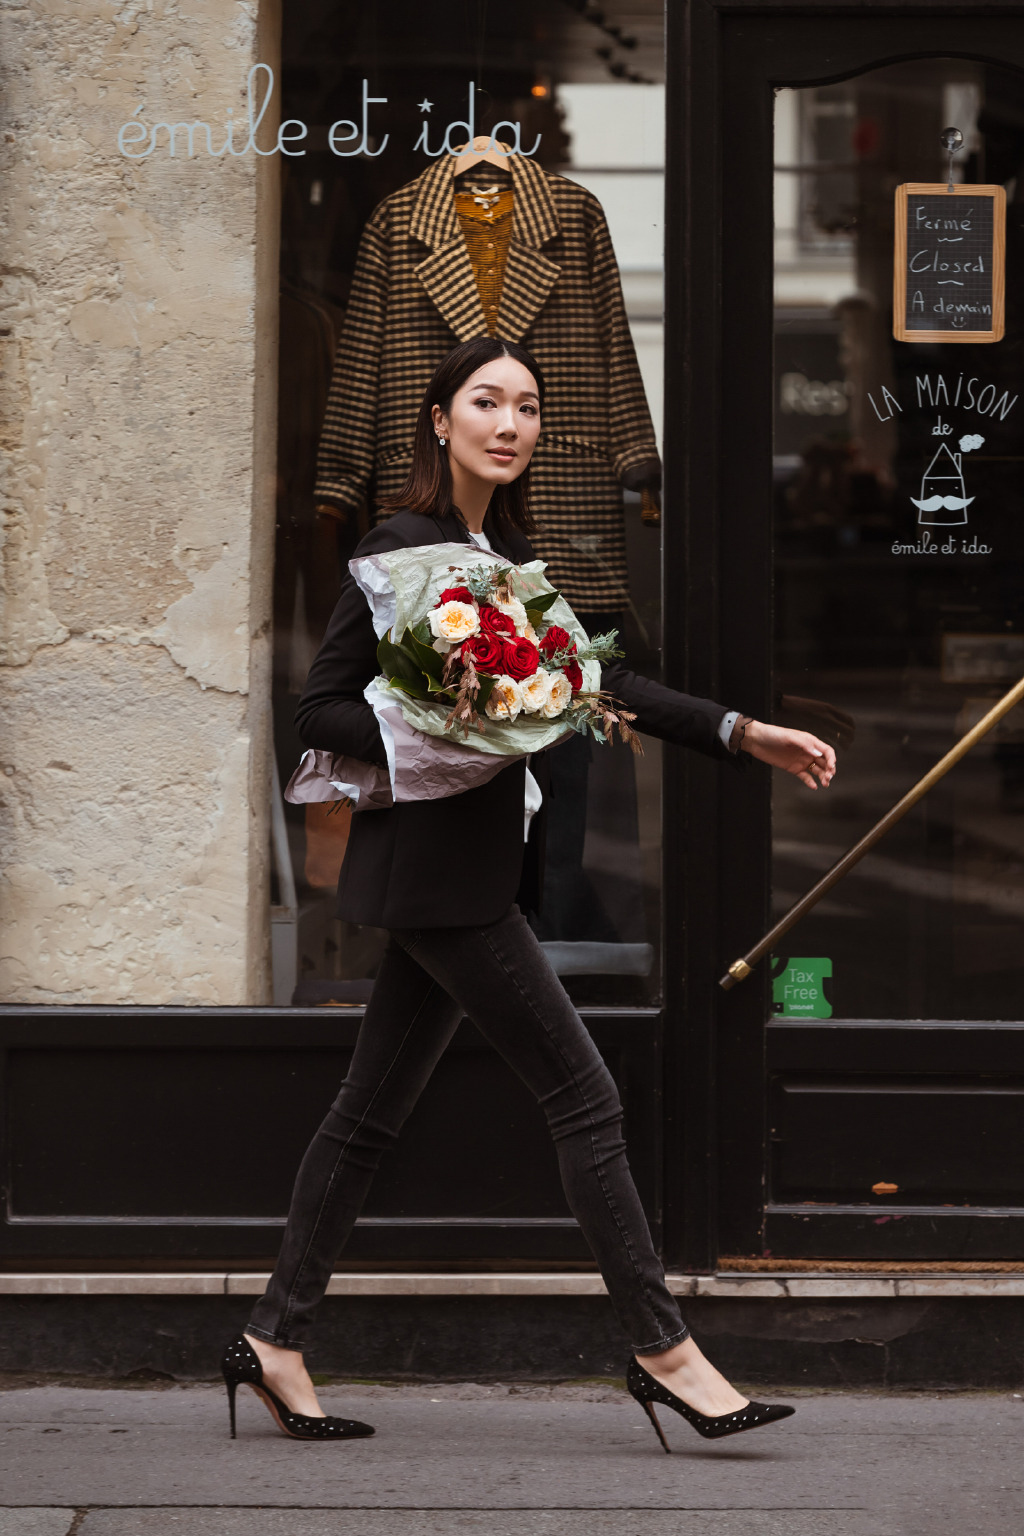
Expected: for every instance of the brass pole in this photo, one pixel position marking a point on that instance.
(741, 969)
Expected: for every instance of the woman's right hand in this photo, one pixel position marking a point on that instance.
(797, 752)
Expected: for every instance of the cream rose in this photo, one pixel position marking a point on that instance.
(529, 633)
(516, 612)
(536, 691)
(506, 700)
(560, 696)
(454, 621)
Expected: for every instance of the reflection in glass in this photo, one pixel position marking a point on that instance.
(896, 625)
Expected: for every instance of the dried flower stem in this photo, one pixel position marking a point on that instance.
(603, 712)
(464, 713)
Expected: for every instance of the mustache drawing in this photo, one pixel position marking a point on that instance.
(949, 503)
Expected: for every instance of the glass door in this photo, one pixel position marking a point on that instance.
(854, 513)
(898, 559)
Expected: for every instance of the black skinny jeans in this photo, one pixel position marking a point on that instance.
(499, 977)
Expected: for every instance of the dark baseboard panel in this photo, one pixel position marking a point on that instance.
(906, 1343)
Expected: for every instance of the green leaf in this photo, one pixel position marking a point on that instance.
(541, 602)
(486, 684)
(422, 632)
(427, 659)
(415, 690)
(394, 661)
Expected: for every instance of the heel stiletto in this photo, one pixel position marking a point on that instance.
(241, 1365)
(648, 1390)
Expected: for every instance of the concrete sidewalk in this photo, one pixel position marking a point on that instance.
(480, 1460)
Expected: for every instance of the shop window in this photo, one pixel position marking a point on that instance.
(898, 617)
(587, 87)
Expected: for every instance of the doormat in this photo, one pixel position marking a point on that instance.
(734, 1264)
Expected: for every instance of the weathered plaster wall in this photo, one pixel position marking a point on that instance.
(137, 309)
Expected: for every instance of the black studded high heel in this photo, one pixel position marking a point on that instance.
(241, 1364)
(648, 1390)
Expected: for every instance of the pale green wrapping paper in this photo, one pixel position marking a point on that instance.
(426, 762)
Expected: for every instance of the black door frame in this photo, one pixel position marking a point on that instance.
(719, 187)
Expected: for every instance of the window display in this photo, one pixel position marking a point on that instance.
(389, 258)
(514, 251)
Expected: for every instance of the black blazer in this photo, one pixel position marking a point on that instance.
(390, 875)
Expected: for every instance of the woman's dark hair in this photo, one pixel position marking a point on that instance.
(428, 486)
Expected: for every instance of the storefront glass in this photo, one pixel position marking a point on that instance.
(899, 554)
(575, 97)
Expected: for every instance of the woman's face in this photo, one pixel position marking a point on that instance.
(493, 423)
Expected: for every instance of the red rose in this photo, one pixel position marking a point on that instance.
(487, 652)
(455, 595)
(574, 672)
(521, 658)
(494, 622)
(556, 639)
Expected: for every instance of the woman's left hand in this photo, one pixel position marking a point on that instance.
(813, 761)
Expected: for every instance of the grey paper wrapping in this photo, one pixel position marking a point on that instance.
(419, 767)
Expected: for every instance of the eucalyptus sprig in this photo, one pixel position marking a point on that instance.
(482, 580)
(601, 648)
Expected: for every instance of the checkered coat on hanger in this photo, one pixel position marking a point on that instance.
(414, 297)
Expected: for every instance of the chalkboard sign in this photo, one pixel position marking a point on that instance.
(950, 260)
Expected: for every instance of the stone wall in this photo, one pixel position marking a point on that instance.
(138, 331)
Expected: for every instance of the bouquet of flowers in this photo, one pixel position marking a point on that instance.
(497, 647)
(481, 661)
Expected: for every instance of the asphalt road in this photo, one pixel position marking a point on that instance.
(499, 1461)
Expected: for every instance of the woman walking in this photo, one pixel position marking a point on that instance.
(474, 954)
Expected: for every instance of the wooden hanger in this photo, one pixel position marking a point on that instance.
(477, 153)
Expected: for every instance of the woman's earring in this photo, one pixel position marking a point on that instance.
(441, 440)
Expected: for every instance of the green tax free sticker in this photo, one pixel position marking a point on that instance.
(798, 988)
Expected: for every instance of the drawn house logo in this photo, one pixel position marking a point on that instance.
(944, 499)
